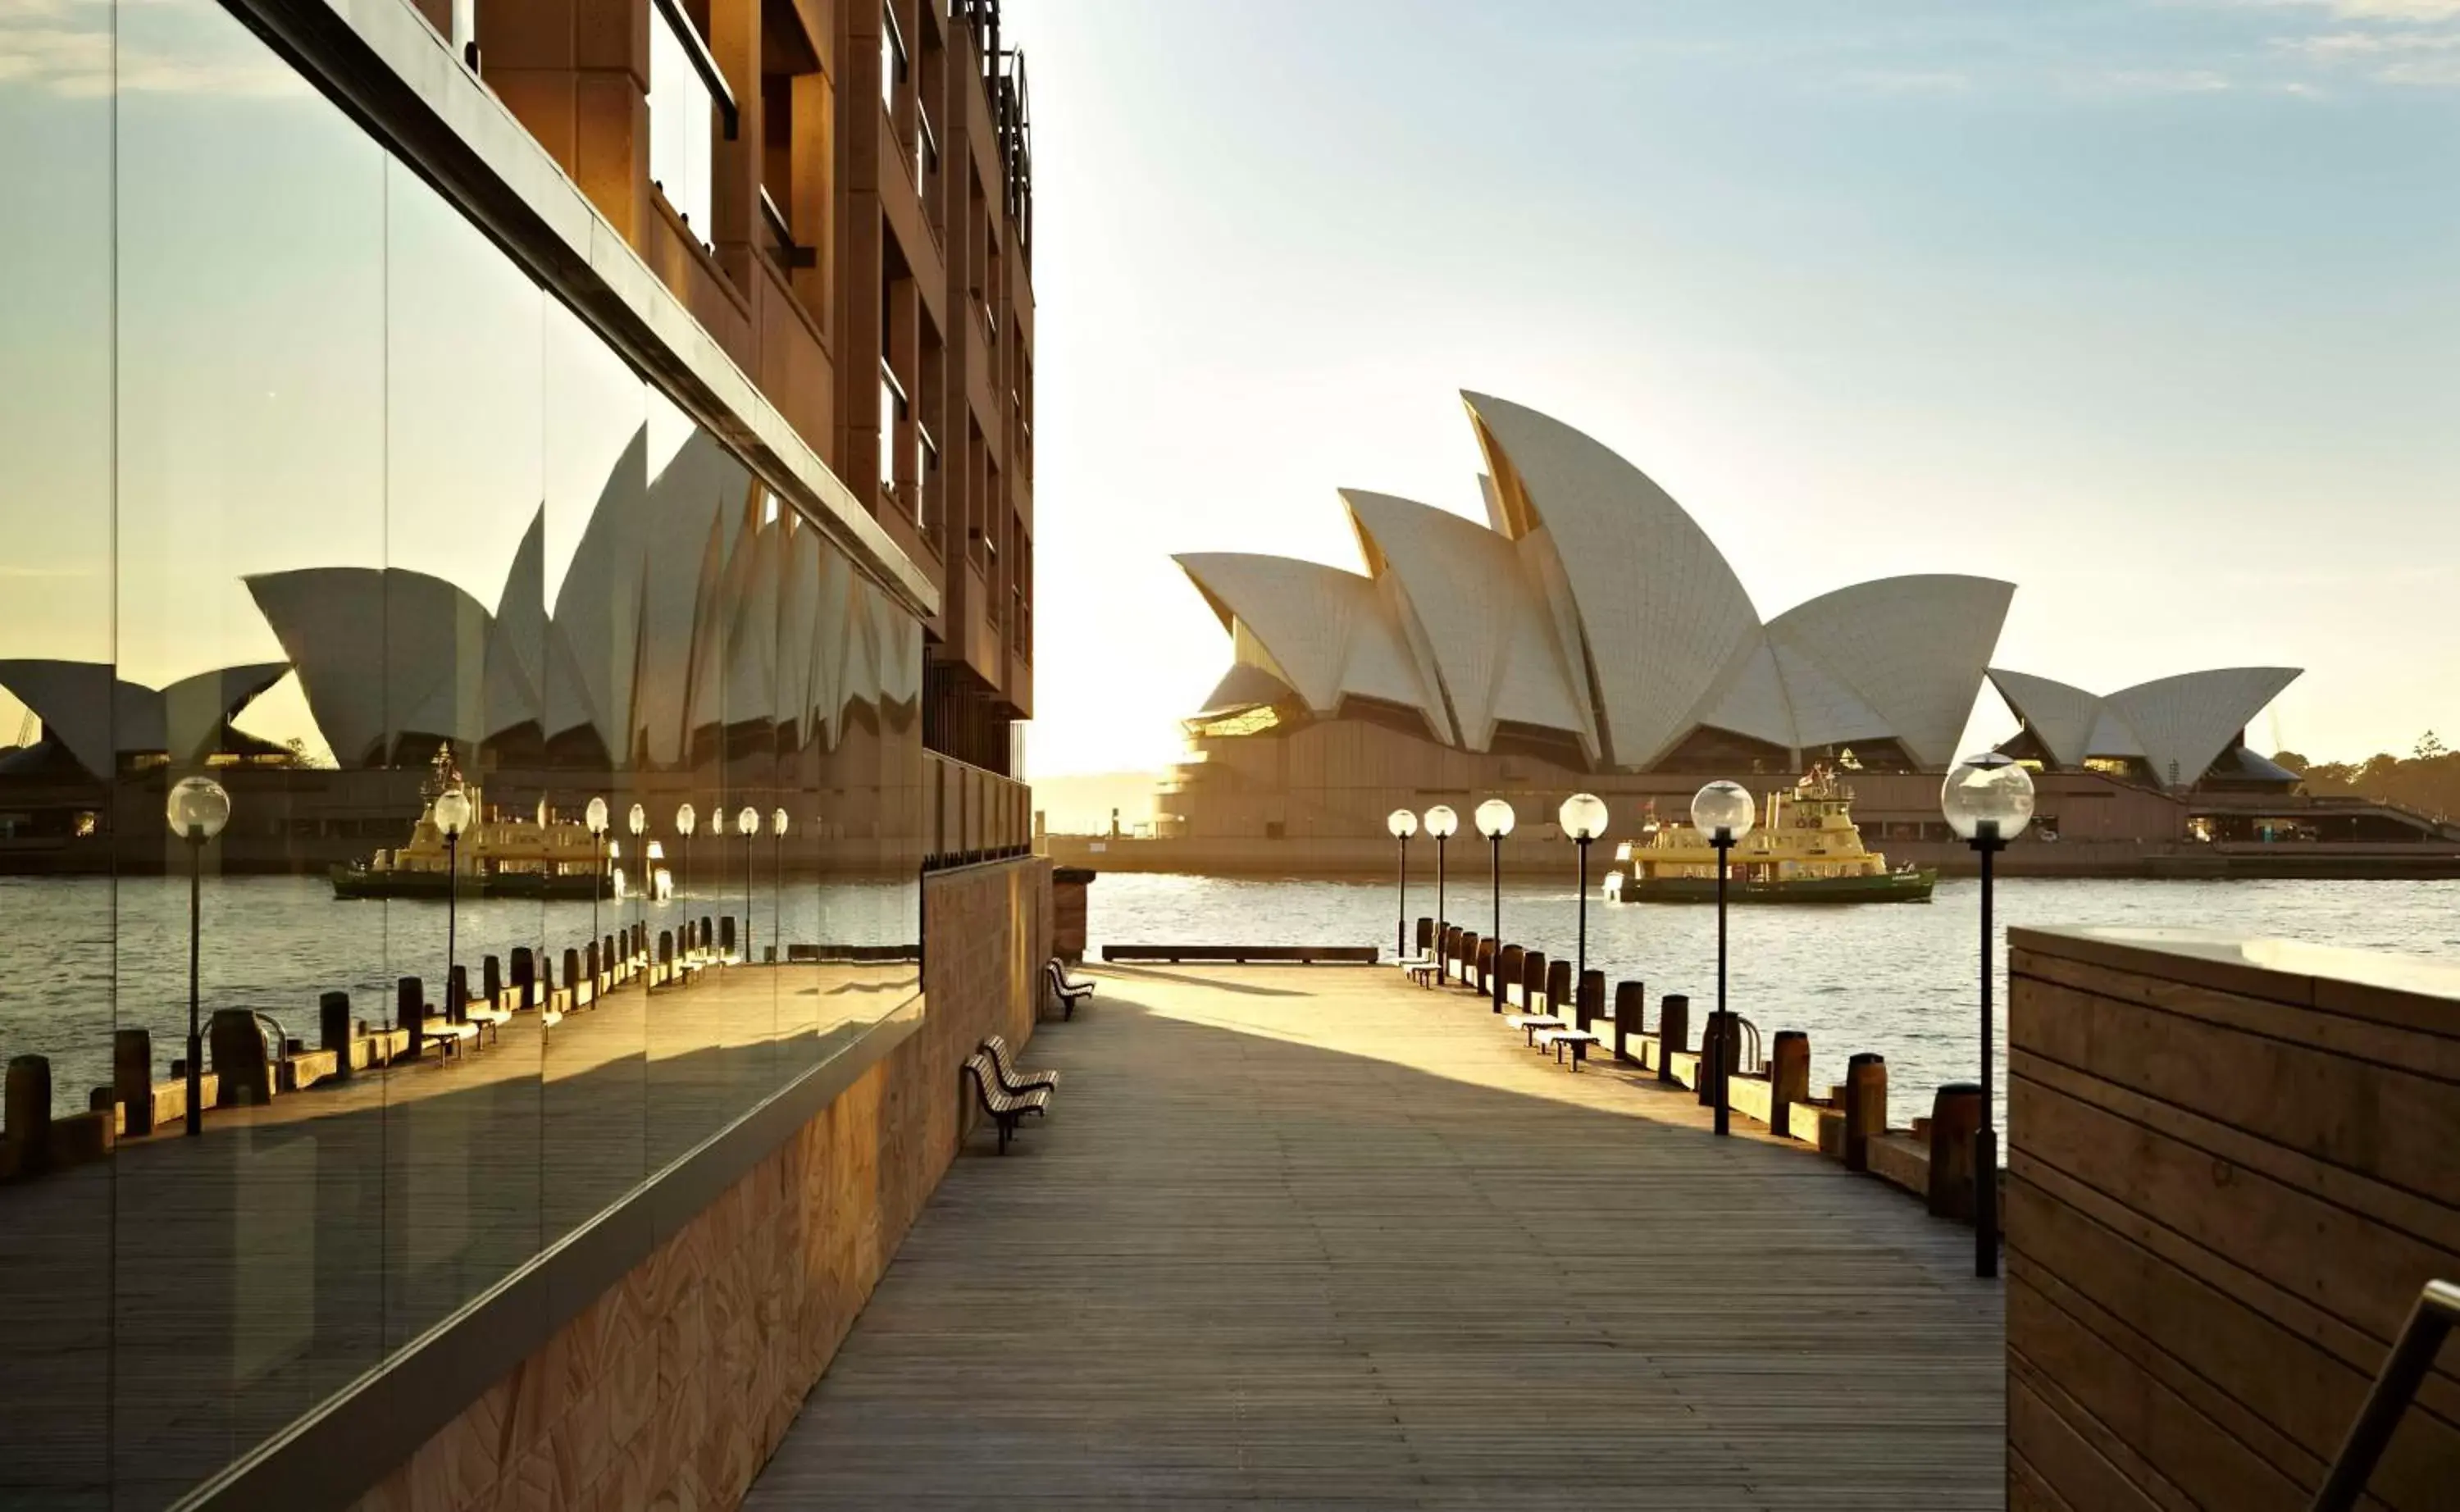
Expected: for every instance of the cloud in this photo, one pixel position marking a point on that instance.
(2160, 81)
(66, 48)
(2336, 46)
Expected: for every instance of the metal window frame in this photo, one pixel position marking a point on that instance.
(703, 64)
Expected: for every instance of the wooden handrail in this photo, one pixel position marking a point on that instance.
(2412, 1354)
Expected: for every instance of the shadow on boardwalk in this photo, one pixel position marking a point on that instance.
(1356, 1246)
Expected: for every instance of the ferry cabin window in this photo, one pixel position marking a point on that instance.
(680, 116)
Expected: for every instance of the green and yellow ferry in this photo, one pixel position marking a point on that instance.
(1804, 850)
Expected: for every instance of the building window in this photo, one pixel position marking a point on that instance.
(927, 477)
(681, 115)
(892, 59)
(892, 413)
(926, 151)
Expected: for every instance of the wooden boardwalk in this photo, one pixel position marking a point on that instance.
(1313, 1237)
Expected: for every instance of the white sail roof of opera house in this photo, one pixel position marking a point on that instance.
(2177, 725)
(1594, 607)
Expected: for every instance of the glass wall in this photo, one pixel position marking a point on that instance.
(307, 490)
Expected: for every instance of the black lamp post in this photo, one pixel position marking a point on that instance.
(596, 819)
(1723, 811)
(197, 808)
(1494, 820)
(1987, 799)
(1441, 823)
(747, 821)
(451, 815)
(778, 825)
(1584, 818)
(638, 822)
(688, 819)
(1403, 824)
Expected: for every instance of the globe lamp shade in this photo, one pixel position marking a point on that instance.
(1442, 822)
(777, 823)
(1582, 816)
(1991, 788)
(747, 821)
(198, 808)
(595, 816)
(687, 818)
(451, 811)
(1402, 823)
(1494, 818)
(1724, 805)
(638, 819)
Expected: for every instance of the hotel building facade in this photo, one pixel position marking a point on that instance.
(575, 400)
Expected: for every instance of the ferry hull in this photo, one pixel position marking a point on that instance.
(1897, 887)
(359, 882)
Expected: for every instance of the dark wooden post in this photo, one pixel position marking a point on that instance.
(1469, 944)
(726, 934)
(132, 1076)
(491, 980)
(1788, 1077)
(456, 994)
(1866, 1107)
(1533, 979)
(1590, 1005)
(409, 1012)
(333, 1030)
(666, 947)
(572, 974)
(1559, 987)
(1673, 1033)
(1630, 1010)
(1508, 967)
(524, 976)
(707, 926)
(1955, 1113)
(1482, 967)
(25, 1111)
(237, 1046)
(1426, 935)
(1713, 1040)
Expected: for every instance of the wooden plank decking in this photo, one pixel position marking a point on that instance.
(1313, 1237)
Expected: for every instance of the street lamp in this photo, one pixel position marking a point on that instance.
(747, 823)
(1584, 818)
(688, 819)
(1723, 811)
(198, 808)
(1988, 800)
(1495, 818)
(1441, 823)
(451, 814)
(1403, 824)
(638, 822)
(595, 817)
(778, 825)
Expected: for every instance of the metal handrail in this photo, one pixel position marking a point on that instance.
(2412, 1354)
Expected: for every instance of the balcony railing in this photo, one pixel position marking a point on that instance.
(970, 815)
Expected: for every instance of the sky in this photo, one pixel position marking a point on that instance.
(2152, 309)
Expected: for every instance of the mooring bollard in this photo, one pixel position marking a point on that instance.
(597, 977)
(1592, 999)
(1484, 966)
(25, 1111)
(1510, 966)
(1533, 983)
(1954, 1114)
(1711, 1039)
(1866, 1107)
(456, 994)
(572, 973)
(236, 1045)
(132, 1076)
(1789, 1079)
(524, 976)
(490, 981)
(666, 951)
(409, 1012)
(1630, 1013)
(1559, 987)
(1673, 1033)
(726, 934)
(333, 1030)
(704, 937)
(1426, 935)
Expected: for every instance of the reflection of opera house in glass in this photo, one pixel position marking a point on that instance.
(1590, 636)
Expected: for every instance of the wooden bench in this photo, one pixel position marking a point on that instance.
(1006, 1108)
(1530, 1024)
(1013, 1081)
(1577, 1040)
(1422, 970)
(1068, 992)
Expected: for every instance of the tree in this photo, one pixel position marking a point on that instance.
(2429, 747)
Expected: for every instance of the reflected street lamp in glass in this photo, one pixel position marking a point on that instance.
(451, 814)
(1442, 823)
(1988, 800)
(1403, 824)
(747, 823)
(595, 817)
(688, 819)
(638, 822)
(1584, 818)
(1494, 818)
(778, 822)
(1723, 811)
(198, 808)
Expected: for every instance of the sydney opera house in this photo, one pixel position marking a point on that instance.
(1590, 635)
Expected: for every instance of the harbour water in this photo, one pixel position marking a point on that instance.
(1901, 979)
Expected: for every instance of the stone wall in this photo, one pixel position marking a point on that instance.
(2230, 1173)
(673, 1387)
